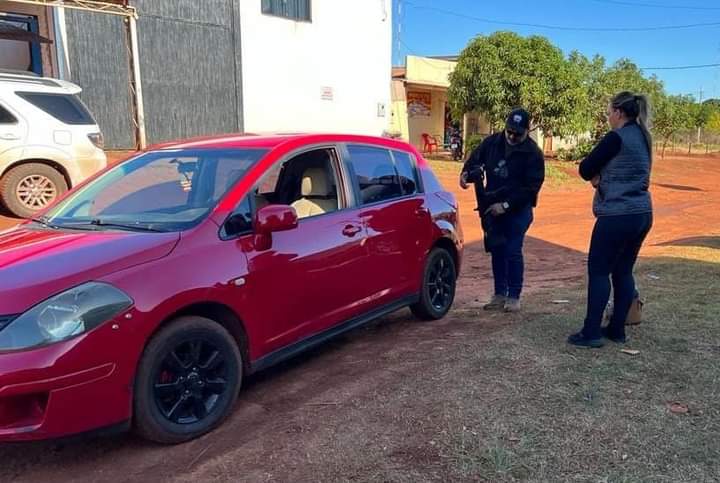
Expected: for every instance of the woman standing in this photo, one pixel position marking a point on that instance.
(619, 169)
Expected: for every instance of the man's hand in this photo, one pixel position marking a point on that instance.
(595, 181)
(496, 209)
(463, 180)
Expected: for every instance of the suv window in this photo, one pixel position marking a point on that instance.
(405, 166)
(375, 172)
(66, 108)
(6, 117)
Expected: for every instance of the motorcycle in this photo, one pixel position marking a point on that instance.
(456, 143)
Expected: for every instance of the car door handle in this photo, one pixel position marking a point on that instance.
(9, 137)
(351, 230)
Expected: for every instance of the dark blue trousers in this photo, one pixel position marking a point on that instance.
(507, 259)
(614, 248)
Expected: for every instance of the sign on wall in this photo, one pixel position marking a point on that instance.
(419, 103)
(327, 94)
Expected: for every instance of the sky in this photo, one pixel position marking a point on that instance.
(422, 31)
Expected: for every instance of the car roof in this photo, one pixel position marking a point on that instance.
(274, 140)
(12, 81)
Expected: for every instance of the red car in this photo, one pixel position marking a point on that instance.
(143, 297)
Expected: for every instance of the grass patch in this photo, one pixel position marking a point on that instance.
(557, 173)
(545, 411)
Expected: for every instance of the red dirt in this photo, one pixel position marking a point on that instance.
(287, 415)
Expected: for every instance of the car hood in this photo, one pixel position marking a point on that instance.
(36, 263)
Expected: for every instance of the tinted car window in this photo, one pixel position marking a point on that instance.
(375, 172)
(6, 117)
(63, 107)
(405, 166)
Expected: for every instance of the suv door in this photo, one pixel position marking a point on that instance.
(314, 276)
(395, 215)
(13, 134)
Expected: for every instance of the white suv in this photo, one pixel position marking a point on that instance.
(49, 141)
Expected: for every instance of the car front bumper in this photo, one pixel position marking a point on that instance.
(66, 388)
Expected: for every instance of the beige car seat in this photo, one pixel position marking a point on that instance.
(317, 197)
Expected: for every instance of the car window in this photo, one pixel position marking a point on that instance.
(240, 221)
(6, 117)
(66, 108)
(405, 166)
(168, 190)
(375, 172)
(167, 182)
(308, 182)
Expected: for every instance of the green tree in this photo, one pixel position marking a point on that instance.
(699, 115)
(502, 71)
(672, 114)
(605, 82)
(713, 122)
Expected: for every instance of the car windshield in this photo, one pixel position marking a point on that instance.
(156, 191)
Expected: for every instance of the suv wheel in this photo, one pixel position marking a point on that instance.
(28, 188)
(187, 382)
(438, 286)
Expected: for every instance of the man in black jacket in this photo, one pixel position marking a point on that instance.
(508, 170)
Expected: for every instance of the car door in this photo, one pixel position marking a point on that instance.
(394, 213)
(313, 277)
(13, 134)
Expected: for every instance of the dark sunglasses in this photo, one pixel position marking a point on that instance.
(513, 134)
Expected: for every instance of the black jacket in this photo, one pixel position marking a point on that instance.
(515, 178)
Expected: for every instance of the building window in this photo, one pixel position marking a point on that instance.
(292, 9)
(20, 43)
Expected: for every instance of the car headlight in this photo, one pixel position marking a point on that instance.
(64, 316)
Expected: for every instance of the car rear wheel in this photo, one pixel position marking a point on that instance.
(438, 286)
(188, 381)
(28, 188)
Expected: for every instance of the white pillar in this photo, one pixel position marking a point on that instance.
(135, 62)
(61, 49)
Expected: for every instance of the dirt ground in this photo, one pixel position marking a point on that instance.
(329, 415)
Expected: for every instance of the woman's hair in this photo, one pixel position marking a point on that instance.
(637, 108)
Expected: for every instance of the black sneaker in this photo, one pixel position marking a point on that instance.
(618, 339)
(580, 340)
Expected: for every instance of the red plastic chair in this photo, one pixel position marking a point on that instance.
(429, 142)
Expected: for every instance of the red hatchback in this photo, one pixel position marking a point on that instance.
(148, 293)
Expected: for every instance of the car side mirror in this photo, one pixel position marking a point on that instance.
(271, 219)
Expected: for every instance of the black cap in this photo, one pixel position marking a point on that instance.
(518, 120)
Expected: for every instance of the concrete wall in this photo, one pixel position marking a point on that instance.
(433, 72)
(330, 74)
(398, 112)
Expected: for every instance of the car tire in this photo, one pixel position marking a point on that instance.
(438, 286)
(188, 381)
(53, 186)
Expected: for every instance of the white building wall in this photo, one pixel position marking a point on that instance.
(328, 75)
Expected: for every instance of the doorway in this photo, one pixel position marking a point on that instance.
(20, 43)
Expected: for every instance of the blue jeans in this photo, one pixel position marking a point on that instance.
(614, 249)
(507, 260)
